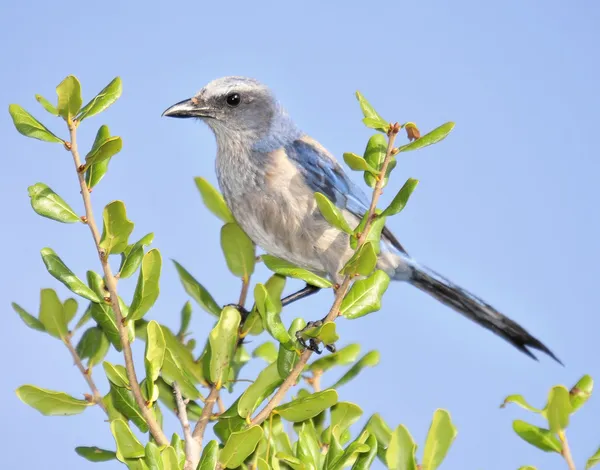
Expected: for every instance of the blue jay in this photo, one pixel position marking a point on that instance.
(269, 170)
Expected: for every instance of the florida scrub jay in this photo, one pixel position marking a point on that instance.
(268, 171)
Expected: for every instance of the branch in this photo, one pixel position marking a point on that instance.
(213, 396)
(111, 285)
(192, 451)
(566, 451)
(340, 292)
(87, 374)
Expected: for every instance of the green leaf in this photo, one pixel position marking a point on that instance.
(365, 460)
(362, 262)
(358, 163)
(124, 402)
(167, 398)
(174, 372)
(270, 316)
(213, 200)
(519, 400)
(93, 345)
(96, 171)
(105, 150)
(326, 333)
(238, 250)
(186, 315)
(104, 316)
(581, 392)
(593, 460)
(308, 449)
(527, 467)
(52, 314)
(46, 105)
(226, 426)
(86, 317)
(60, 271)
(209, 457)
(343, 415)
(400, 454)
(371, 359)
(153, 457)
(400, 200)
(29, 126)
(30, 320)
(69, 97)
(169, 459)
(290, 460)
(49, 402)
(116, 374)
(196, 291)
(117, 228)
(365, 295)
(284, 268)
(147, 288)
(431, 138)
(349, 454)
(346, 355)
(307, 407)
(109, 94)
(95, 454)
(331, 213)
(286, 359)
(223, 339)
(239, 446)
(372, 118)
(132, 256)
(47, 203)
(267, 381)
(155, 355)
(70, 309)
(266, 351)
(374, 233)
(128, 446)
(375, 153)
(559, 409)
(178, 445)
(539, 437)
(439, 439)
(253, 324)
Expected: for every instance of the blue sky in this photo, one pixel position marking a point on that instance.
(506, 206)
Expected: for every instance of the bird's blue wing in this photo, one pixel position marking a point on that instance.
(323, 174)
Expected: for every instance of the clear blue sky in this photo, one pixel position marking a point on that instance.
(507, 205)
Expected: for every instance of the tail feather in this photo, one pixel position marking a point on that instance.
(477, 310)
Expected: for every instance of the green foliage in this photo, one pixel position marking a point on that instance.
(251, 432)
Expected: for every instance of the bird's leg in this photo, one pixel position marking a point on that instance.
(301, 294)
(312, 344)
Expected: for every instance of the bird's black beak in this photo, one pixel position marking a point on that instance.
(191, 108)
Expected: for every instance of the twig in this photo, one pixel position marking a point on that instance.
(213, 396)
(192, 451)
(198, 434)
(566, 451)
(87, 374)
(244, 292)
(111, 285)
(315, 380)
(341, 291)
(221, 405)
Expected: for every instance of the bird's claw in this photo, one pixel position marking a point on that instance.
(240, 308)
(312, 344)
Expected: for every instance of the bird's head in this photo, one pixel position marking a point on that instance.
(234, 107)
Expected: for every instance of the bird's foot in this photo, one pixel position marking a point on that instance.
(312, 344)
(240, 308)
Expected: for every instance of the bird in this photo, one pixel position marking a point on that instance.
(269, 170)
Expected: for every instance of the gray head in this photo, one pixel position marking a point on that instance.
(236, 108)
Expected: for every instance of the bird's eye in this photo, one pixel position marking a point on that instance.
(233, 100)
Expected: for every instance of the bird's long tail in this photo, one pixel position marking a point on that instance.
(472, 307)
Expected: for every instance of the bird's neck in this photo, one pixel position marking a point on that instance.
(281, 132)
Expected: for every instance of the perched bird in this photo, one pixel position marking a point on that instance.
(269, 170)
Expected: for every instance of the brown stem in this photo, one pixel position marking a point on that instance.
(192, 451)
(244, 291)
(111, 285)
(209, 404)
(340, 292)
(87, 374)
(566, 451)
